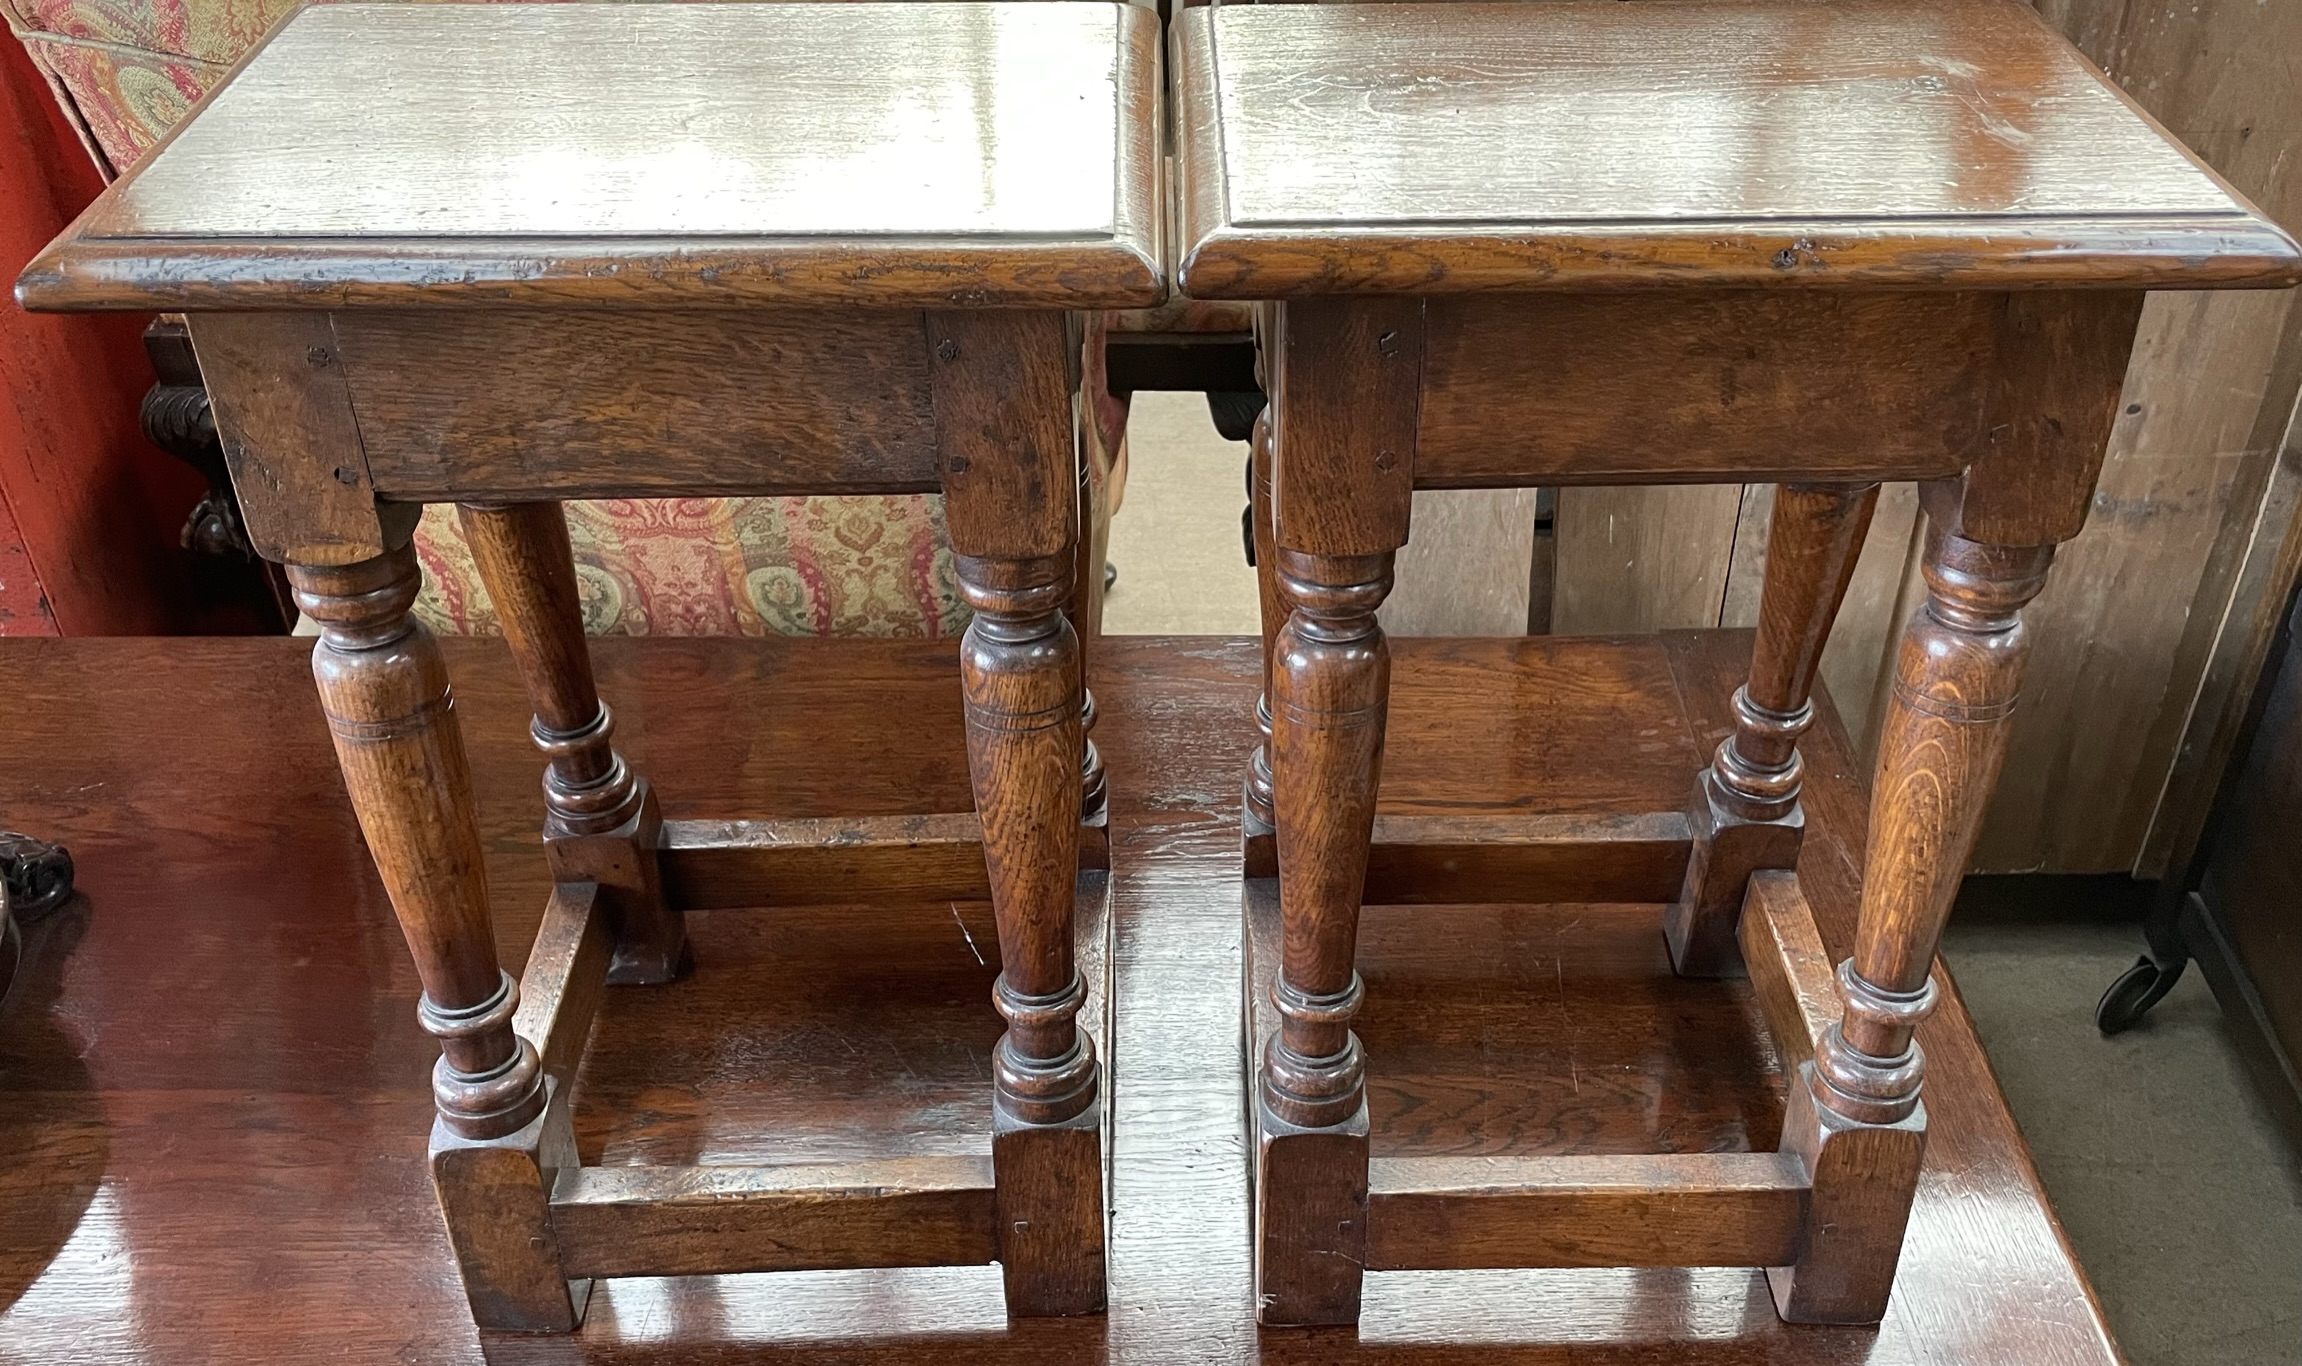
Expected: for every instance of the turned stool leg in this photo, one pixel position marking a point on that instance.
(1020, 672)
(497, 1139)
(1085, 610)
(1338, 442)
(1332, 675)
(600, 820)
(1262, 853)
(1002, 412)
(1746, 814)
(1854, 1115)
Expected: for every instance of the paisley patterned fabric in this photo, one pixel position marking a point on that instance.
(863, 566)
(129, 69)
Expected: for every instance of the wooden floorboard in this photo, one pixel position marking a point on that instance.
(212, 1086)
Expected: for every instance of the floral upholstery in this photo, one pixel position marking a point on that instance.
(128, 69)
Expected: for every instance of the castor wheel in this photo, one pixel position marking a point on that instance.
(2137, 989)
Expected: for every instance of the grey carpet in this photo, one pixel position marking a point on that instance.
(2178, 1191)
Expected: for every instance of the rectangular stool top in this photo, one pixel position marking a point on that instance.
(1551, 144)
(620, 155)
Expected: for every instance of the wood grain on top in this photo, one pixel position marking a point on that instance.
(948, 152)
(1565, 144)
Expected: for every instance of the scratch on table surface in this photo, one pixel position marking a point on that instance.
(963, 934)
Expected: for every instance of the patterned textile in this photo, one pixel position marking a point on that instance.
(128, 69)
(863, 566)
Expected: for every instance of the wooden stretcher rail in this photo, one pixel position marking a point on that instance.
(1676, 1209)
(1433, 860)
(714, 865)
(566, 975)
(1791, 973)
(698, 1221)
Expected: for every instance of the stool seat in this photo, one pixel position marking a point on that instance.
(597, 154)
(1560, 145)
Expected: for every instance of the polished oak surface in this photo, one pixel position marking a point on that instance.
(1427, 148)
(541, 153)
(214, 1082)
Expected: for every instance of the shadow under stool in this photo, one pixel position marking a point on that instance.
(1503, 245)
(661, 251)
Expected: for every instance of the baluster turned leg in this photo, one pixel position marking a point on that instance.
(1332, 677)
(1085, 609)
(1855, 1115)
(497, 1138)
(1262, 851)
(1020, 673)
(1002, 413)
(1746, 814)
(600, 820)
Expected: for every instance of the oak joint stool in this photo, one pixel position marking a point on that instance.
(1691, 241)
(684, 249)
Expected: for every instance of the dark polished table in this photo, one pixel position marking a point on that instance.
(212, 1080)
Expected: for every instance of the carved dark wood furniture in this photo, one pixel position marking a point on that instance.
(608, 251)
(1725, 240)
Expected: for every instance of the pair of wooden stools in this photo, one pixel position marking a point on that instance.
(803, 249)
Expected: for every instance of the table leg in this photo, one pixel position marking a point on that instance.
(1020, 674)
(1745, 812)
(1854, 1114)
(384, 688)
(600, 819)
(1003, 405)
(1332, 676)
(1262, 853)
(1085, 610)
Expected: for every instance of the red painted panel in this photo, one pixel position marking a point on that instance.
(89, 510)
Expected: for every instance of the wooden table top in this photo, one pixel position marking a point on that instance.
(1436, 147)
(609, 153)
(213, 1090)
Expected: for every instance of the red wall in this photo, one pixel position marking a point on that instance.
(89, 510)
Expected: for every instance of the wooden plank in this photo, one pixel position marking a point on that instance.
(712, 865)
(1673, 388)
(1642, 559)
(1466, 567)
(1671, 1209)
(972, 154)
(565, 977)
(702, 1221)
(1422, 859)
(1791, 973)
(594, 403)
